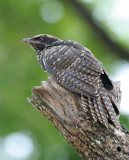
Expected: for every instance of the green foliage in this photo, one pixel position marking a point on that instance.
(20, 70)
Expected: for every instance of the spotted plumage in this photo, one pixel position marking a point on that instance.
(75, 67)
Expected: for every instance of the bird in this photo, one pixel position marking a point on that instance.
(74, 67)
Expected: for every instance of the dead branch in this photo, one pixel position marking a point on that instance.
(90, 139)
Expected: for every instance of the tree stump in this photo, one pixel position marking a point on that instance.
(92, 140)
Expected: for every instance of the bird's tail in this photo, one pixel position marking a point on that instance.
(108, 106)
(103, 108)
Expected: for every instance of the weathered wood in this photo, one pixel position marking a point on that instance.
(90, 139)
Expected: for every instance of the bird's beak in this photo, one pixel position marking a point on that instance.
(27, 40)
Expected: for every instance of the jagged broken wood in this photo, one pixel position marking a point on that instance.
(89, 138)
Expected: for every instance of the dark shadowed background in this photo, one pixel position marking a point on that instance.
(102, 26)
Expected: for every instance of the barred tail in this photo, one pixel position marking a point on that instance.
(102, 109)
(108, 106)
(87, 102)
(92, 108)
(99, 117)
(96, 108)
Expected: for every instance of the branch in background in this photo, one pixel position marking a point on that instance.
(109, 42)
(90, 139)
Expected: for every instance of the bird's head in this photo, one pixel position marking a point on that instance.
(40, 42)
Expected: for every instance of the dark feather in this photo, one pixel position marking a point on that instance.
(76, 68)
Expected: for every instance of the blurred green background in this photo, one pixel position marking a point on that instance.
(24, 133)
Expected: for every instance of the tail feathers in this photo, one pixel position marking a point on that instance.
(103, 111)
(115, 96)
(97, 111)
(88, 102)
(114, 105)
(108, 105)
(84, 101)
(92, 108)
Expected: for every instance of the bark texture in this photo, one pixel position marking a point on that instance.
(90, 139)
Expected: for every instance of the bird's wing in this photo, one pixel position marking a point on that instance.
(75, 69)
